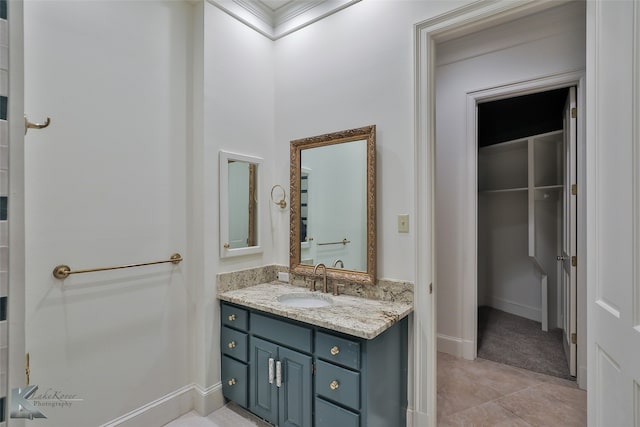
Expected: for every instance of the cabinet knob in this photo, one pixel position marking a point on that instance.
(334, 385)
(232, 381)
(232, 344)
(335, 350)
(232, 317)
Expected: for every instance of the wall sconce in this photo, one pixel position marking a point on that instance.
(282, 202)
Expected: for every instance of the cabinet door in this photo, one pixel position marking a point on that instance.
(295, 396)
(263, 394)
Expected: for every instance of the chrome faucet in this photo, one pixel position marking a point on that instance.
(338, 261)
(324, 282)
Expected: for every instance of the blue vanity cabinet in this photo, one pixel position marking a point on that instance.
(234, 344)
(361, 383)
(299, 375)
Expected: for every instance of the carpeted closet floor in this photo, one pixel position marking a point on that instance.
(520, 342)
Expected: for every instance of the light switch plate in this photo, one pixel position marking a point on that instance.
(403, 223)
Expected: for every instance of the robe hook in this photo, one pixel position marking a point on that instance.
(29, 125)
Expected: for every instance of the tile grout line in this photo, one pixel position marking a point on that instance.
(539, 383)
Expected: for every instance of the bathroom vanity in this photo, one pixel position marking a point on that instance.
(299, 358)
(343, 365)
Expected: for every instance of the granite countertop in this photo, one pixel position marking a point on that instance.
(360, 317)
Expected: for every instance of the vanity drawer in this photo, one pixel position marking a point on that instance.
(234, 381)
(338, 384)
(235, 317)
(234, 343)
(330, 415)
(288, 334)
(338, 350)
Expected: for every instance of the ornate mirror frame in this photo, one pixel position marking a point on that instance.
(367, 133)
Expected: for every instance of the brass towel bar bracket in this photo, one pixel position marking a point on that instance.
(63, 271)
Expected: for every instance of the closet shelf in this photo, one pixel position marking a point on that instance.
(504, 190)
(550, 187)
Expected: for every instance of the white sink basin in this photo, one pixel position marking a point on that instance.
(305, 300)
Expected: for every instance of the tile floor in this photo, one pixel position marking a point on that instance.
(485, 393)
(470, 393)
(227, 416)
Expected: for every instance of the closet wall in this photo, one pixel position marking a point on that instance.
(520, 183)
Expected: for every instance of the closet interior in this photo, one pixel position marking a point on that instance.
(521, 165)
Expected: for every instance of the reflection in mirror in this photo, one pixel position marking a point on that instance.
(336, 196)
(242, 204)
(333, 205)
(239, 207)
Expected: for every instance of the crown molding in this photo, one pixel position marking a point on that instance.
(286, 19)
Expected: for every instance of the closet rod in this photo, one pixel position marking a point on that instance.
(63, 271)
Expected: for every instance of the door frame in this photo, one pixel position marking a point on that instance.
(556, 81)
(467, 19)
(16, 301)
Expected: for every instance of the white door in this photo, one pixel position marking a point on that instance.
(105, 186)
(613, 214)
(569, 246)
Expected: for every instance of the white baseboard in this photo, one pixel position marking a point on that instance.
(171, 406)
(418, 419)
(205, 401)
(456, 346)
(582, 377)
(528, 312)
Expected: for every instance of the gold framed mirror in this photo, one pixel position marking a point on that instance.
(333, 205)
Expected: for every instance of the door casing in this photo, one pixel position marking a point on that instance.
(473, 99)
(427, 34)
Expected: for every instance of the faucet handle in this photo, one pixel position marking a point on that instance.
(336, 288)
(312, 283)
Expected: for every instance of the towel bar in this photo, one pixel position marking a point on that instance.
(63, 271)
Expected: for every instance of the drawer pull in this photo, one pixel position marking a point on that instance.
(278, 374)
(335, 350)
(232, 344)
(334, 385)
(271, 373)
(232, 317)
(232, 381)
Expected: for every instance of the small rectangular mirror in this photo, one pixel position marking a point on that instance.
(239, 205)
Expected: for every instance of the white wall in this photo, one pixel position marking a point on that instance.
(237, 116)
(518, 51)
(154, 189)
(105, 185)
(349, 70)
(510, 283)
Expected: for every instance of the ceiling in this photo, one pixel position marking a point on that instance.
(275, 4)
(277, 18)
(521, 116)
